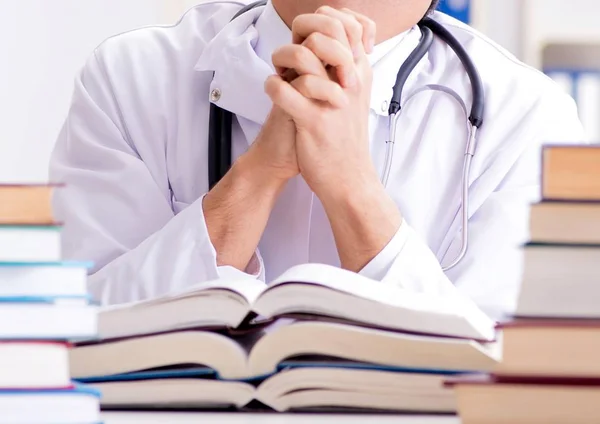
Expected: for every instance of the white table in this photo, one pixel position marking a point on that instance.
(269, 418)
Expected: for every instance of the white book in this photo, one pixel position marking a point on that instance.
(43, 279)
(78, 405)
(294, 389)
(310, 289)
(560, 281)
(47, 319)
(34, 365)
(30, 243)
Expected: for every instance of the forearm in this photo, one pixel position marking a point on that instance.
(364, 219)
(237, 210)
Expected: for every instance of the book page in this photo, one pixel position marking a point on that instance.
(450, 303)
(247, 289)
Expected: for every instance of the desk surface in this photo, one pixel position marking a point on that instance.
(241, 418)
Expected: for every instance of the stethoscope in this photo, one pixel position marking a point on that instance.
(220, 124)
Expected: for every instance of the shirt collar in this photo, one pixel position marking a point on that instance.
(273, 33)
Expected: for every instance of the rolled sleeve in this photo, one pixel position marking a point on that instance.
(380, 265)
(407, 261)
(255, 269)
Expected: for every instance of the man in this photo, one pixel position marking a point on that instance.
(309, 82)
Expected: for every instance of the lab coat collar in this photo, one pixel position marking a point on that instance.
(239, 74)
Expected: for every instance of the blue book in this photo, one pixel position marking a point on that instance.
(200, 372)
(45, 279)
(78, 404)
(459, 9)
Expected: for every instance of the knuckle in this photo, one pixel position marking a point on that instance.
(298, 20)
(337, 28)
(301, 55)
(303, 83)
(312, 40)
(323, 10)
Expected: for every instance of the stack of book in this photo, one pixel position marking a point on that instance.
(317, 338)
(43, 305)
(550, 371)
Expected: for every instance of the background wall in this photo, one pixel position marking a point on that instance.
(43, 43)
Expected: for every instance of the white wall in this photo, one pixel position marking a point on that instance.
(43, 43)
(501, 20)
(559, 21)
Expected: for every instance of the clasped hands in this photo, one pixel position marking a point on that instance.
(318, 126)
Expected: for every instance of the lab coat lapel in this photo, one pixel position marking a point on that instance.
(239, 74)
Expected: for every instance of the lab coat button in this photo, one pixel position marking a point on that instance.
(215, 95)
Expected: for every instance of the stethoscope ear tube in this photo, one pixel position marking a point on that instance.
(478, 107)
(407, 67)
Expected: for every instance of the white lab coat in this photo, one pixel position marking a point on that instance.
(133, 153)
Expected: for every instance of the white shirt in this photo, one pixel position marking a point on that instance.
(133, 153)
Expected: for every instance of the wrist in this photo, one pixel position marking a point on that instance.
(362, 200)
(251, 171)
(363, 221)
(346, 188)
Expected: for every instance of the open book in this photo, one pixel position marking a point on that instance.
(262, 353)
(295, 365)
(300, 388)
(310, 289)
(317, 334)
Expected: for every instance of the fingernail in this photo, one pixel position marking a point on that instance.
(371, 45)
(356, 52)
